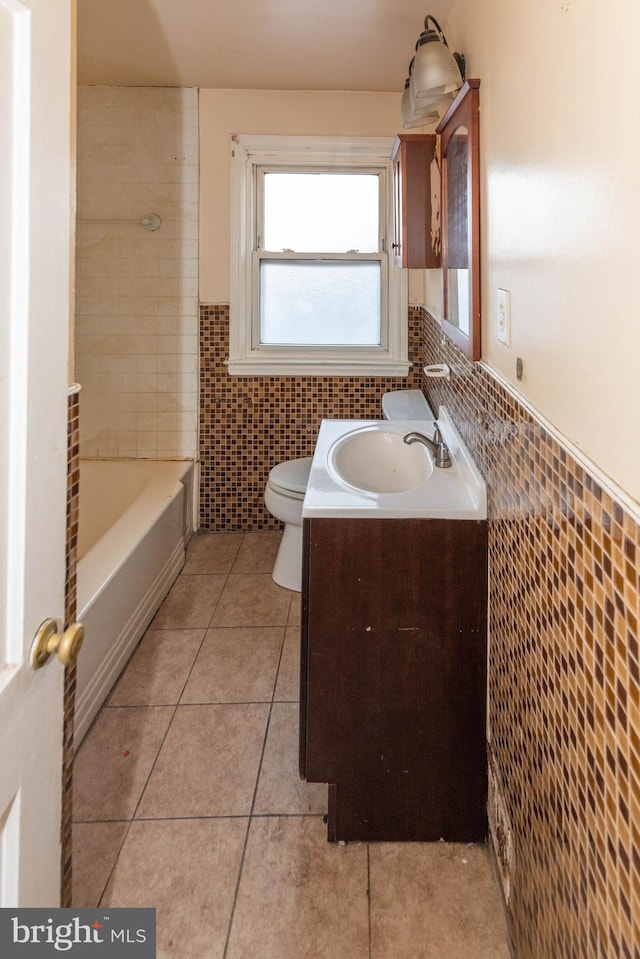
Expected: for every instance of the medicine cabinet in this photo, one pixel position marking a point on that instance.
(436, 182)
(460, 216)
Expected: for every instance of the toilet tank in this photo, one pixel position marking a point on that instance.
(406, 405)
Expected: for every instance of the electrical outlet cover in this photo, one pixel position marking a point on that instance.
(503, 316)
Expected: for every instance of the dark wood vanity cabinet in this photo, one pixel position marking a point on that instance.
(414, 246)
(393, 676)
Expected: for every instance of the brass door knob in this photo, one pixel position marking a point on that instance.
(48, 641)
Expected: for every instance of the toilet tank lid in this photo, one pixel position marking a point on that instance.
(406, 405)
(292, 474)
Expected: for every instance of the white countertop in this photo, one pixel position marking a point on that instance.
(458, 492)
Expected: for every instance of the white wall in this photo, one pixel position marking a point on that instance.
(137, 291)
(560, 172)
(224, 112)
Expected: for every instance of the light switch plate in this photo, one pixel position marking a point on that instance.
(503, 316)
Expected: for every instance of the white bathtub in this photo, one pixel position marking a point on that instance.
(135, 522)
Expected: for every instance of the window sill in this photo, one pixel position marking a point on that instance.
(268, 366)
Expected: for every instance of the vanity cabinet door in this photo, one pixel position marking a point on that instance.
(393, 676)
(413, 245)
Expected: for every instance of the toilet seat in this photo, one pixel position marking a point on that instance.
(291, 477)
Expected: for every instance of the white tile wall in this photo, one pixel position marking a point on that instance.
(137, 291)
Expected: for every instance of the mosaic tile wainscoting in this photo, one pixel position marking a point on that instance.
(249, 424)
(70, 607)
(564, 695)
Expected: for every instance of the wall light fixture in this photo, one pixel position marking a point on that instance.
(435, 76)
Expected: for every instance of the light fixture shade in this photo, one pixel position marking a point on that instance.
(435, 69)
(422, 105)
(411, 119)
(420, 112)
(415, 113)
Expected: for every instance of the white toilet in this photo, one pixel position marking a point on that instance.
(287, 485)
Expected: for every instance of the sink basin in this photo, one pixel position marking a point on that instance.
(363, 468)
(379, 461)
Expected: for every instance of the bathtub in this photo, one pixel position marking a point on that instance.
(135, 521)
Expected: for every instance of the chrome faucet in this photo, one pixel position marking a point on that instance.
(436, 445)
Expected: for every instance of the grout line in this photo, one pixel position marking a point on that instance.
(258, 815)
(169, 724)
(266, 815)
(253, 803)
(115, 862)
(173, 715)
(226, 702)
(101, 822)
(153, 764)
(200, 702)
(170, 629)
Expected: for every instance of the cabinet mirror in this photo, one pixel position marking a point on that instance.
(459, 136)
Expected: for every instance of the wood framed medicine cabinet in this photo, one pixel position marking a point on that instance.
(460, 218)
(416, 233)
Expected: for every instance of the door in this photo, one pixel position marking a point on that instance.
(35, 111)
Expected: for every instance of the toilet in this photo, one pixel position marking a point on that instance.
(287, 485)
(283, 496)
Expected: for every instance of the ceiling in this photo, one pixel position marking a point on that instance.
(251, 44)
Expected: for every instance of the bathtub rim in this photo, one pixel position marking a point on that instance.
(91, 578)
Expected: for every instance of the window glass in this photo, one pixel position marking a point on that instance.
(320, 302)
(321, 212)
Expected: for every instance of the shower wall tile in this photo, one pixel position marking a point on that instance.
(137, 293)
(564, 673)
(249, 424)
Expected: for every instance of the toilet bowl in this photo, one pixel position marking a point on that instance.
(287, 484)
(283, 496)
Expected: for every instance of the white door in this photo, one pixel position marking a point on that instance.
(35, 149)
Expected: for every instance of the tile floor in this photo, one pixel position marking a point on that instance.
(187, 797)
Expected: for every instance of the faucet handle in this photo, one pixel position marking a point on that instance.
(443, 456)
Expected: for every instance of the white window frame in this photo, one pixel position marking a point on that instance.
(247, 357)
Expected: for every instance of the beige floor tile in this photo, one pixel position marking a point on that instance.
(212, 552)
(187, 870)
(95, 849)
(190, 602)
(208, 765)
(252, 599)
(280, 789)
(295, 613)
(257, 553)
(158, 670)
(114, 761)
(300, 897)
(434, 901)
(236, 665)
(288, 684)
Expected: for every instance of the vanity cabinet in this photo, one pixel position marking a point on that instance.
(393, 676)
(414, 244)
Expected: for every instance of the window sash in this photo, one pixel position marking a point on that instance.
(260, 255)
(378, 171)
(380, 258)
(248, 153)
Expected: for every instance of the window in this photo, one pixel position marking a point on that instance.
(313, 287)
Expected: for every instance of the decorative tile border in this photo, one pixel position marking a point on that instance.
(249, 424)
(70, 603)
(564, 673)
